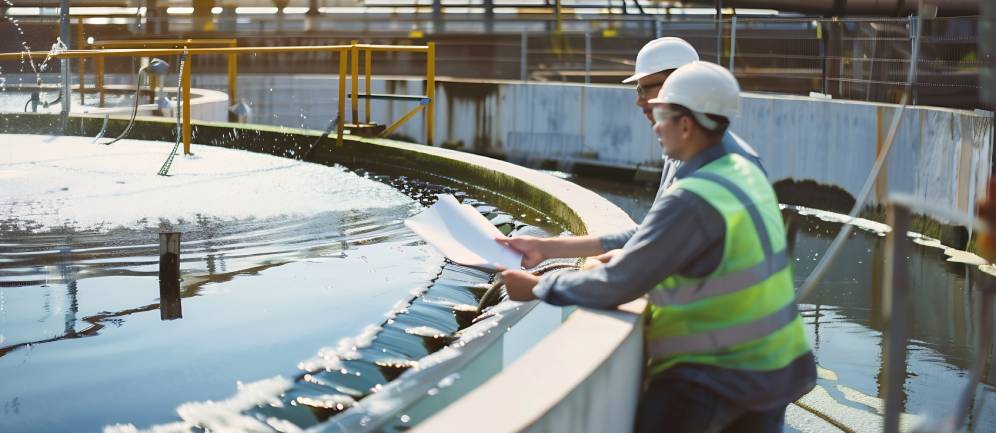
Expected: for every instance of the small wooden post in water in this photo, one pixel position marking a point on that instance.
(169, 276)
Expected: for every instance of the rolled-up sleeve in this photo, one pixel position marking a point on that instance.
(679, 230)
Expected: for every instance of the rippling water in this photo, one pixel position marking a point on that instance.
(279, 258)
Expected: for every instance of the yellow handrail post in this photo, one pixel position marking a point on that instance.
(79, 42)
(98, 64)
(430, 91)
(342, 95)
(354, 55)
(233, 66)
(153, 84)
(366, 69)
(185, 85)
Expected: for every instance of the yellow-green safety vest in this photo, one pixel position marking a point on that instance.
(743, 315)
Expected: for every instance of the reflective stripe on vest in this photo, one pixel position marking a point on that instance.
(773, 262)
(722, 285)
(719, 339)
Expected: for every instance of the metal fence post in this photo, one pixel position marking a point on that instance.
(733, 41)
(914, 26)
(587, 57)
(524, 57)
(719, 32)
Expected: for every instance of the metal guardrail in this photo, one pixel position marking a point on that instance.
(156, 43)
(345, 53)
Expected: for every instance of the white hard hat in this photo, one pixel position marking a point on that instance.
(662, 54)
(702, 87)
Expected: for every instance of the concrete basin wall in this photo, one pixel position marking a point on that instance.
(940, 155)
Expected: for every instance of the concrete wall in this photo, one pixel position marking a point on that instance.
(939, 155)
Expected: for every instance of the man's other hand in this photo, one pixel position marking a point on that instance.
(519, 284)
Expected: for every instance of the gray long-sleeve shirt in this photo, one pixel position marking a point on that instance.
(681, 234)
(731, 143)
(648, 255)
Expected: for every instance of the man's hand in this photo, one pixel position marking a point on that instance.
(519, 285)
(530, 247)
(599, 260)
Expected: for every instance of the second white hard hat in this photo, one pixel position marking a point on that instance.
(702, 87)
(662, 54)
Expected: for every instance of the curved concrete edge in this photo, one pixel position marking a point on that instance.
(584, 377)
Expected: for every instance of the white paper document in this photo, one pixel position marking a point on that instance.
(463, 235)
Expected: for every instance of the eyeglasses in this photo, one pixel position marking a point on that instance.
(661, 114)
(647, 91)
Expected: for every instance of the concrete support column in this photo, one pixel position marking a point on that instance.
(437, 16)
(489, 16)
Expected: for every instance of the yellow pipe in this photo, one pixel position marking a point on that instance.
(233, 84)
(155, 43)
(233, 73)
(354, 56)
(153, 84)
(342, 96)
(367, 56)
(80, 41)
(98, 65)
(185, 85)
(430, 91)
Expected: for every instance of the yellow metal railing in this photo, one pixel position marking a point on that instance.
(162, 43)
(345, 53)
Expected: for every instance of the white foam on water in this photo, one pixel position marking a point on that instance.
(426, 331)
(861, 223)
(223, 416)
(330, 401)
(48, 182)
(330, 358)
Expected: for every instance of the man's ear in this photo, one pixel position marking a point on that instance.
(686, 127)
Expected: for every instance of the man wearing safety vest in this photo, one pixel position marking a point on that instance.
(726, 344)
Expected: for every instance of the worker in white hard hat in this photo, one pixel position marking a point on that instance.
(654, 63)
(726, 346)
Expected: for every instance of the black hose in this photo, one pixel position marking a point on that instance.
(134, 109)
(332, 125)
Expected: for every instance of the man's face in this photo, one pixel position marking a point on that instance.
(672, 129)
(647, 88)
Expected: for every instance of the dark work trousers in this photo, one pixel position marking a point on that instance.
(678, 406)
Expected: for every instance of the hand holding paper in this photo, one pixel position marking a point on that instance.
(463, 235)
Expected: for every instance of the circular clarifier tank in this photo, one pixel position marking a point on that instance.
(279, 258)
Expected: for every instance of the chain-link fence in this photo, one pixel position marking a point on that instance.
(853, 58)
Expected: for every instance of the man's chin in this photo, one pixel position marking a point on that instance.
(650, 116)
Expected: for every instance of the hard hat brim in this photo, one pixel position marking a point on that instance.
(635, 77)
